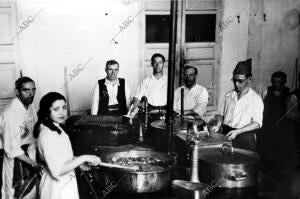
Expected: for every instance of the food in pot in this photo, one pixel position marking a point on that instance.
(145, 164)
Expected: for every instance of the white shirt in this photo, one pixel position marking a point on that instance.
(154, 89)
(112, 89)
(239, 113)
(195, 99)
(56, 150)
(16, 129)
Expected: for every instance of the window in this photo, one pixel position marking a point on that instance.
(157, 28)
(200, 28)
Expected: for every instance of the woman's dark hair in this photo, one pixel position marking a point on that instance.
(44, 112)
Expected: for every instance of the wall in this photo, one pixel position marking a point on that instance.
(67, 33)
(233, 43)
(268, 33)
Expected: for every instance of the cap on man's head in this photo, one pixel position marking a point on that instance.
(190, 66)
(21, 81)
(243, 68)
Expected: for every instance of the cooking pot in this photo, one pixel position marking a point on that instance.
(150, 180)
(228, 167)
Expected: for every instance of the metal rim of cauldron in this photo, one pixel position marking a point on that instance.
(143, 181)
(217, 168)
(170, 166)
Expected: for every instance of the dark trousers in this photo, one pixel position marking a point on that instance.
(245, 140)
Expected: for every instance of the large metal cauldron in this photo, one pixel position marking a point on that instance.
(90, 130)
(234, 168)
(141, 181)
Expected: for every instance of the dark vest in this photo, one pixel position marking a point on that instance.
(104, 98)
(274, 107)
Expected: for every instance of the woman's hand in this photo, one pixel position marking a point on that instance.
(84, 167)
(92, 160)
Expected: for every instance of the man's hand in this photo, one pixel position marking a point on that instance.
(215, 123)
(232, 134)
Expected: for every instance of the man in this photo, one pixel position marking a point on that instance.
(111, 94)
(154, 87)
(195, 96)
(275, 144)
(242, 112)
(16, 126)
(275, 98)
(293, 114)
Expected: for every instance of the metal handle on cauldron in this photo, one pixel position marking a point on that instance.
(238, 176)
(228, 148)
(173, 155)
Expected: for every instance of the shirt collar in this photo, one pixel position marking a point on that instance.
(20, 105)
(107, 82)
(191, 88)
(163, 77)
(247, 95)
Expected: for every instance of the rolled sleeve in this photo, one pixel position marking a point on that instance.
(257, 111)
(128, 95)
(12, 137)
(141, 90)
(201, 103)
(95, 100)
(177, 106)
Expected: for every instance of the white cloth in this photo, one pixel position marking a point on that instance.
(16, 127)
(239, 113)
(112, 90)
(154, 89)
(264, 94)
(195, 99)
(55, 149)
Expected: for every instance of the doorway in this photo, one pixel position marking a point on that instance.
(196, 37)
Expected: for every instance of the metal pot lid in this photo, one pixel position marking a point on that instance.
(101, 120)
(211, 139)
(177, 124)
(193, 186)
(161, 124)
(216, 155)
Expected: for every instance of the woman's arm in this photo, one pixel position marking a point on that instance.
(77, 161)
(56, 163)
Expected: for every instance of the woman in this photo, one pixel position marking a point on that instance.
(54, 149)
